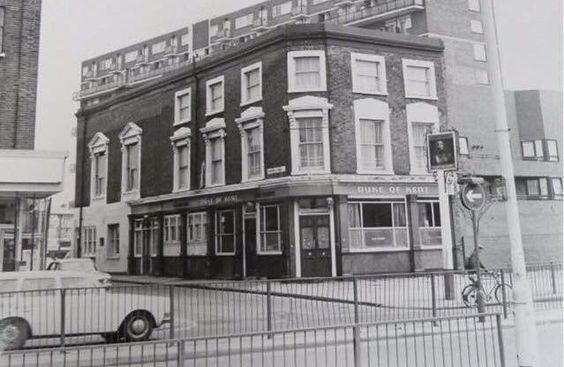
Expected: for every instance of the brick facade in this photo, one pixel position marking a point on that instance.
(18, 73)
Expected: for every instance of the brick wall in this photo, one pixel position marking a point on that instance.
(18, 73)
(152, 108)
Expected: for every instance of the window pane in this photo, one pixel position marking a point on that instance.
(354, 215)
(552, 149)
(253, 84)
(377, 215)
(437, 214)
(425, 214)
(399, 215)
(308, 74)
(543, 183)
(420, 131)
(311, 143)
(372, 145)
(538, 149)
(533, 187)
(418, 82)
(367, 75)
(528, 149)
(557, 186)
(270, 221)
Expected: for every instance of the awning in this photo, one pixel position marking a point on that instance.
(31, 173)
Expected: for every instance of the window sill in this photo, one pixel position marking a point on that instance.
(320, 89)
(312, 172)
(375, 172)
(211, 113)
(181, 190)
(214, 185)
(252, 179)
(430, 98)
(113, 257)
(243, 104)
(419, 247)
(225, 254)
(98, 199)
(371, 93)
(182, 122)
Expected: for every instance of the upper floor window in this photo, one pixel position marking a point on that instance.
(422, 118)
(482, 76)
(182, 106)
(214, 135)
(270, 230)
(306, 71)
(244, 21)
(282, 9)
(181, 160)
(214, 95)
(309, 134)
(463, 146)
(130, 139)
(251, 83)
(113, 240)
(185, 39)
(105, 64)
(373, 142)
(131, 56)
(2, 15)
(556, 183)
(540, 149)
(225, 232)
(474, 5)
(157, 48)
(250, 126)
(419, 79)
(368, 74)
(537, 187)
(197, 233)
(476, 26)
(98, 147)
(479, 52)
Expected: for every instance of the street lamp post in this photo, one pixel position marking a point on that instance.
(525, 328)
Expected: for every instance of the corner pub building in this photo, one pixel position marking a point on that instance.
(298, 153)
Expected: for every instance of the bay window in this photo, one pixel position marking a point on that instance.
(377, 226)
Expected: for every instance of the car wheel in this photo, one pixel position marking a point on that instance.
(13, 334)
(110, 337)
(138, 327)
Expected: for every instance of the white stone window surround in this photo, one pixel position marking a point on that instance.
(292, 55)
(431, 73)
(180, 138)
(251, 118)
(131, 134)
(373, 109)
(214, 129)
(308, 106)
(209, 83)
(98, 145)
(380, 60)
(244, 87)
(420, 112)
(179, 94)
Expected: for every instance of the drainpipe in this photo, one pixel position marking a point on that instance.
(78, 251)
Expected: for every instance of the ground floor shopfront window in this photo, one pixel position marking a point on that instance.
(429, 224)
(378, 226)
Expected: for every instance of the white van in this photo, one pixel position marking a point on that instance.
(41, 304)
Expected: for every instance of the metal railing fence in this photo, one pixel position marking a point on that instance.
(94, 315)
(453, 341)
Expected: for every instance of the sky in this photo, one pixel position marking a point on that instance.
(530, 38)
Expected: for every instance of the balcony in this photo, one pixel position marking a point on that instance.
(171, 50)
(376, 12)
(299, 12)
(142, 59)
(99, 89)
(260, 24)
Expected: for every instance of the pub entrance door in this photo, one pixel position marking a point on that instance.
(315, 244)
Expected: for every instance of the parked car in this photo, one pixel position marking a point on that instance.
(82, 265)
(31, 306)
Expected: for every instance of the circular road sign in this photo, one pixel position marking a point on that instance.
(473, 197)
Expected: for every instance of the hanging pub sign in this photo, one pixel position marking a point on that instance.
(442, 152)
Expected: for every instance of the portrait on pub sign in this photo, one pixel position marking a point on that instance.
(442, 151)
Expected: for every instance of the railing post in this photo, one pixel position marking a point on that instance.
(355, 299)
(553, 277)
(500, 340)
(63, 296)
(180, 350)
(503, 295)
(268, 307)
(356, 346)
(433, 295)
(171, 309)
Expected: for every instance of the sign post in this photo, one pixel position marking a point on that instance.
(473, 198)
(442, 157)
